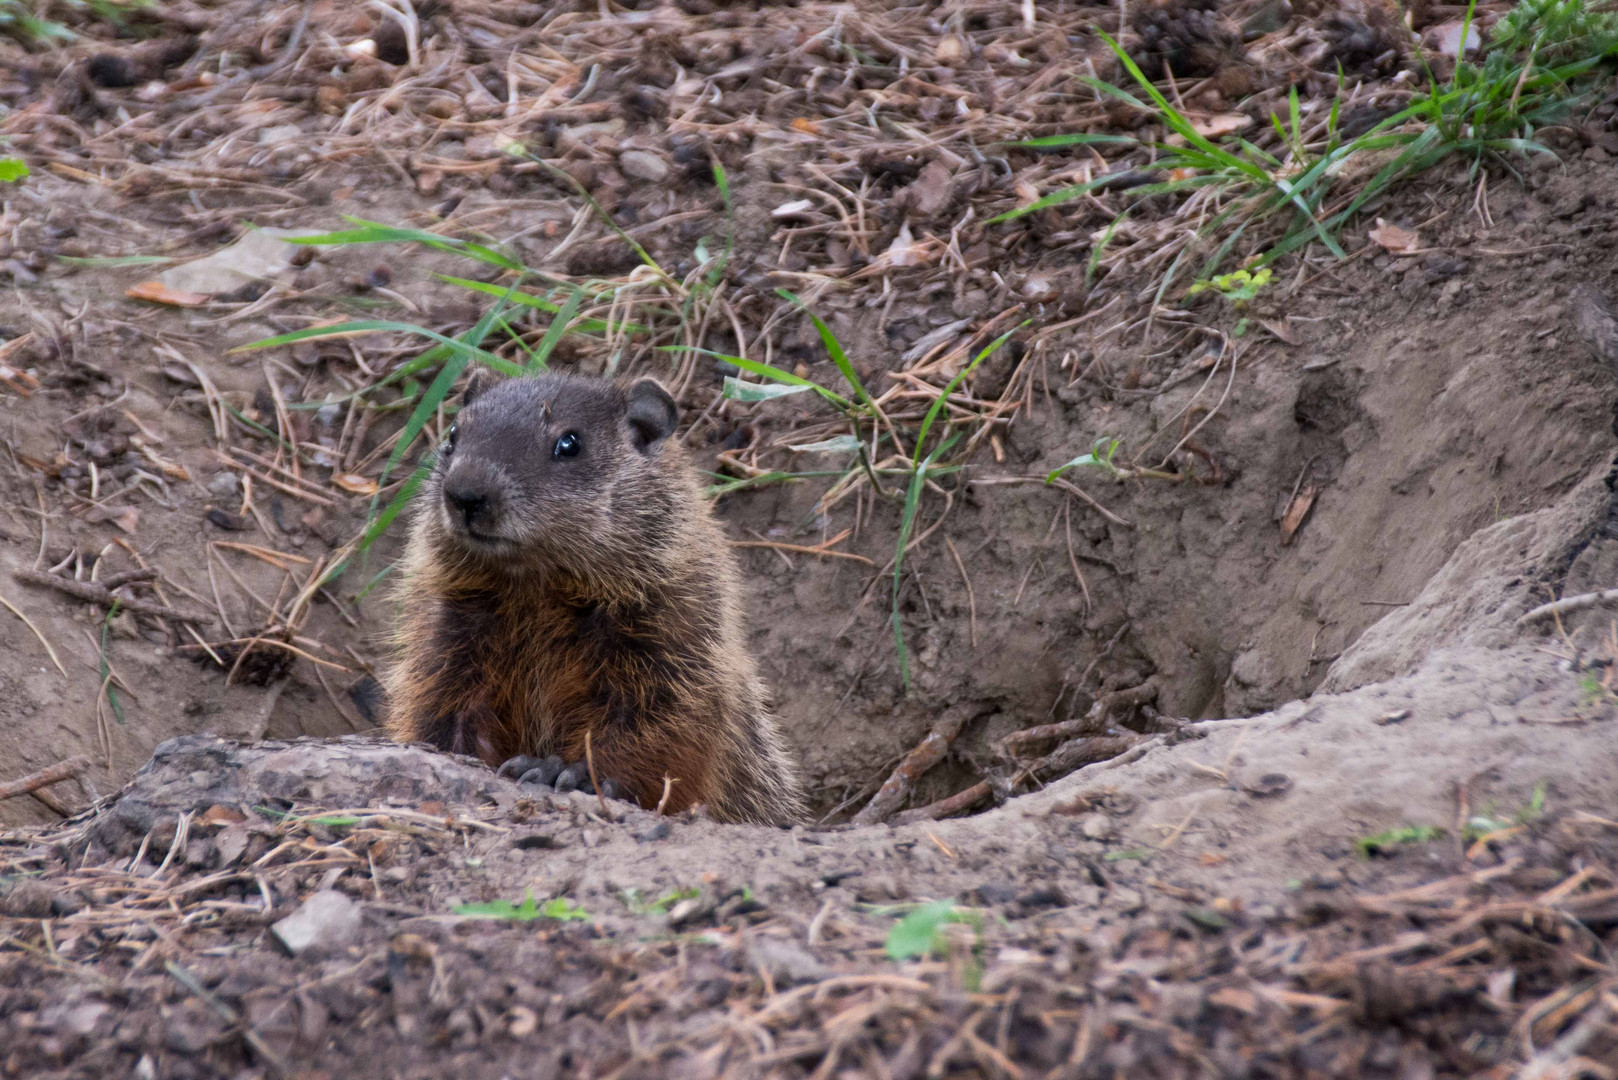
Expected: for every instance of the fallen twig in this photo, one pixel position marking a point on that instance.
(96, 593)
(1569, 604)
(958, 803)
(927, 753)
(1076, 753)
(9, 606)
(50, 774)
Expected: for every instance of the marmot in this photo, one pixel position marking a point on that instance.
(565, 575)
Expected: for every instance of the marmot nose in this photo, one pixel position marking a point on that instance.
(474, 502)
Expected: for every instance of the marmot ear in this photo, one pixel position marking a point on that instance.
(476, 383)
(652, 414)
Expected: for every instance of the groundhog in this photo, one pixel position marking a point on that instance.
(566, 578)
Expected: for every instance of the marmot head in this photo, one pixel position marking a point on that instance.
(557, 473)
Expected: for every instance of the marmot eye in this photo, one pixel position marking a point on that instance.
(568, 445)
(449, 438)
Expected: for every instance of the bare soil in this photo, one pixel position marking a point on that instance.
(1198, 906)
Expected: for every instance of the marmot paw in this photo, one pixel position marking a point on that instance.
(553, 772)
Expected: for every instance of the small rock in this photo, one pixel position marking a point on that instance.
(657, 832)
(1128, 901)
(327, 920)
(993, 892)
(231, 843)
(641, 165)
(27, 898)
(1037, 899)
(1039, 289)
(260, 255)
(691, 910)
(79, 1019)
(1096, 826)
(1270, 785)
(930, 194)
(584, 136)
(224, 484)
(785, 961)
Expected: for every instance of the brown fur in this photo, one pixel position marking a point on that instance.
(610, 605)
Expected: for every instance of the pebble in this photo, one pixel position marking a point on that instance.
(327, 920)
(785, 960)
(224, 484)
(1128, 901)
(1096, 826)
(642, 165)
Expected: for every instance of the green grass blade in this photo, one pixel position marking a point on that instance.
(939, 402)
(1100, 248)
(774, 374)
(539, 303)
(722, 181)
(458, 348)
(554, 333)
(907, 524)
(584, 193)
(1055, 198)
(834, 348)
(113, 261)
(1055, 142)
(373, 232)
(1173, 118)
(737, 390)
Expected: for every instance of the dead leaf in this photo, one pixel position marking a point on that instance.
(1398, 241)
(795, 210)
(904, 251)
(1243, 1001)
(805, 125)
(1446, 37)
(354, 483)
(949, 50)
(1222, 124)
(221, 815)
(1027, 194)
(1280, 330)
(126, 518)
(159, 293)
(231, 843)
(1181, 174)
(1297, 510)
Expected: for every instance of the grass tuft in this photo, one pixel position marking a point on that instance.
(1538, 67)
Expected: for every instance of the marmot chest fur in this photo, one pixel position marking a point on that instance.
(565, 576)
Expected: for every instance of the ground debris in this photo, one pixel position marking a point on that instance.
(1489, 966)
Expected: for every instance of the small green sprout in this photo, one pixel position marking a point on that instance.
(1383, 843)
(921, 932)
(1238, 287)
(529, 910)
(1100, 457)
